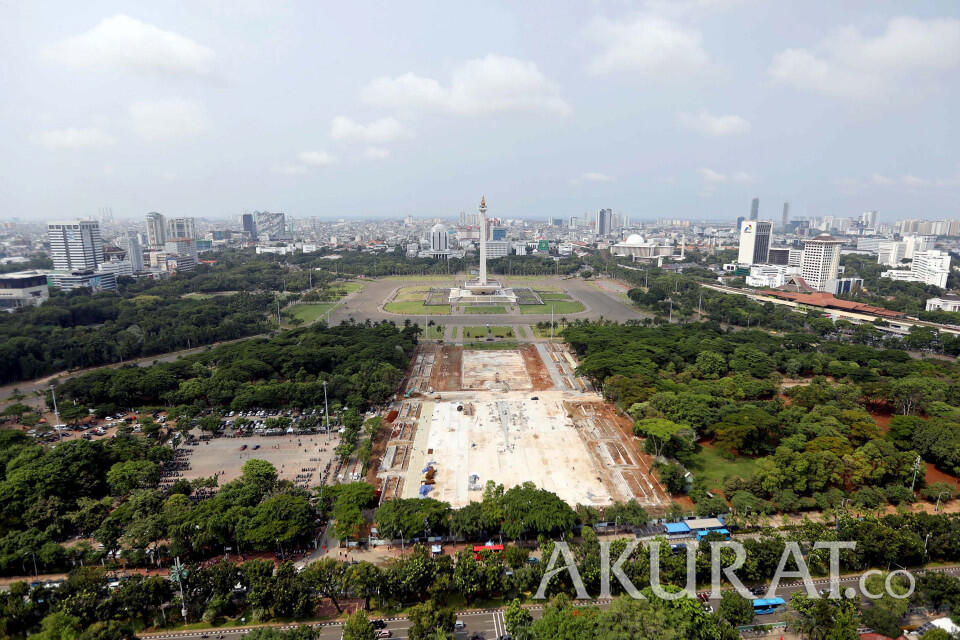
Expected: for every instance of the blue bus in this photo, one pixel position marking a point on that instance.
(764, 606)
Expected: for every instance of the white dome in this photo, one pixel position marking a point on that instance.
(634, 238)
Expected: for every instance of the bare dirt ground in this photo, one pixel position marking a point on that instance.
(447, 369)
(495, 369)
(539, 376)
(300, 459)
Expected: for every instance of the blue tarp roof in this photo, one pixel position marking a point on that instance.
(676, 527)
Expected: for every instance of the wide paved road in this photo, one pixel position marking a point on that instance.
(491, 624)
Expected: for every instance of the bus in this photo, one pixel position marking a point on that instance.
(764, 606)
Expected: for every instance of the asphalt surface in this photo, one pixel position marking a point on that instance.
(599, 303)
(490, 623)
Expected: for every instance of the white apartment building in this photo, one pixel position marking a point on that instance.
(821, 261)
(890, 253)
(75, 245)
(929, 267)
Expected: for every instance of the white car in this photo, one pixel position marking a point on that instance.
(460, 624)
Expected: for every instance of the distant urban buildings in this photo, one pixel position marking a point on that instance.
(271, 225)
(603, 221)
(439, 242)
(182, 228)
(156, 229)
(931, 267)
(786, 215)
(249, 225)
(23, 289)
(755, 209)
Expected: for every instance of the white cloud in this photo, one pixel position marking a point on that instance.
(916, 182)
(316, 158)
(848, 63)
(493, 84)
(710, 125)
(594, 176)
(646, 44)
(289, 169)
(377, 131)
(715, 177)
(125, 42)
(376, 153)
(74, 138)
(167, 119)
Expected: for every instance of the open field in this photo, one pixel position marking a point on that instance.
(470, 333)
(300, 459)
(480, 310)
(351, 286)
(311, 312)
(560, 307)
(416, 308)
(409, 294)
(514, 415)
(715, 468)
(547, 295)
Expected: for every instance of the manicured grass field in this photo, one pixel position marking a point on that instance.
(350, 287)
(545, 333)
(309, 312)
(560, 307)
(472, 333)
(414, 307)
(475, 309)
(434, 332)
(714, 468)
(411, 294)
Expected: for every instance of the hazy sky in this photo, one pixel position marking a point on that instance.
(343, 109)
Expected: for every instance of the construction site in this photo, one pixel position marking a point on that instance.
(510, 415)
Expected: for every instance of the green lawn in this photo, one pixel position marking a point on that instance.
(350, 287)
(481, 332)
(434, 332)
(310, 312)
(414, 307)
(559, 308)
(549, 295)
(411, 294)
(545, 333)
(714, 468)
(475, 309)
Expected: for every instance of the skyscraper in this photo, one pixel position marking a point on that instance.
(75, 246)
(821, 259)
(868, 219)
(755, 209)
(271, 226)
(134, 252)
(786, 214)
(181, 228)
(754, 242)
(249, 225)
(156, 229)
(603, 221)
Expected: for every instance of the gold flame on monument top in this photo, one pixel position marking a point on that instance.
(483, 202)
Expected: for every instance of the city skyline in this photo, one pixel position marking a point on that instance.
(686, 109)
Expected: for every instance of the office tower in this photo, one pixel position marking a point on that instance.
(740, 220)
(573, 222)
(75, 246)
(755, 209)
(754, 242)
(603, 221)
(439, 241)
(270, 226)
(932, 267)
(181, 228)
(868, 219)
(134, 252)
(786, 213)
(156, 229)
(249, 225)
(821, 259)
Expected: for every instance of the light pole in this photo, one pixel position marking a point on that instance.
(326, 409)
(179, 573)
(53, 394)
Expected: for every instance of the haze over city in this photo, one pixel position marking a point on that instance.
(659, 109)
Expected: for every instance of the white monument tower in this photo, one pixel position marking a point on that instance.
(483, 241)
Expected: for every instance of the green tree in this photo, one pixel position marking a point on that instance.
(735, 609)
(516, 618)
(659, 431)
(124, 477)
(358, 627)
(428, 618)
(328, 577)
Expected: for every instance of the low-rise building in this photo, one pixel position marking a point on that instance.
(23, 289)
(89, 279)
(946, 302)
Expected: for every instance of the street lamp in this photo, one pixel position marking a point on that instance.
(53, 394)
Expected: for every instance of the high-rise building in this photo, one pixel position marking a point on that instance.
(271, 226)
(754, 242)
(249, 225)
(75, 246)
(603, 221)
(786, 214)
(929, 267)
(755, 209)
(821, 260)
(573, 222)
(740, 220)
(134, 252)
(439, 242)
(156, 229)
(181, 228)
(868, 219)
(914, 244)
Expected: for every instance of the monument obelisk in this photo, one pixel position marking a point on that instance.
(483, 241)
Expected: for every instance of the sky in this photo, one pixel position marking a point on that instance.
(678, 109)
